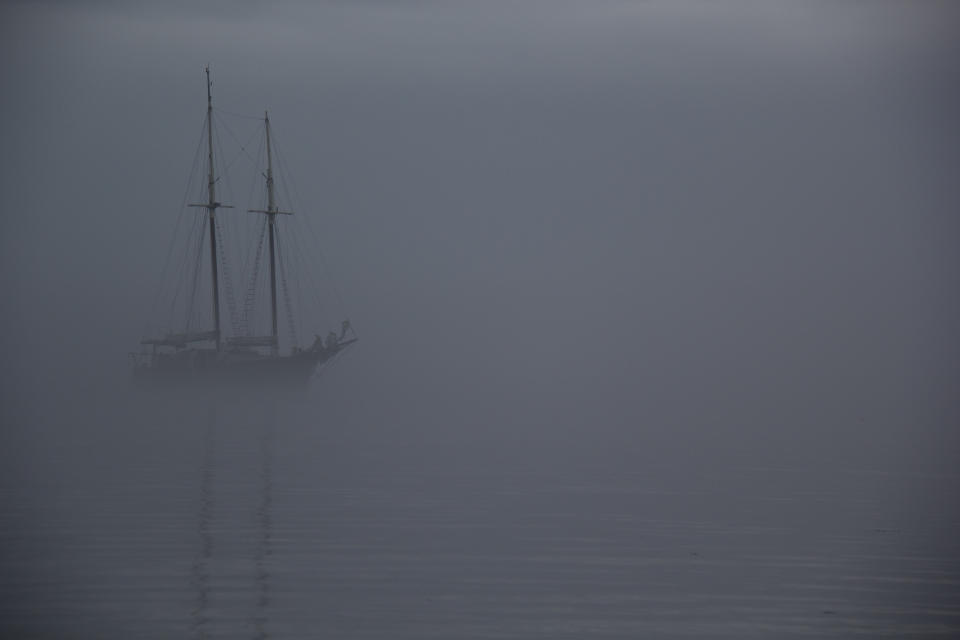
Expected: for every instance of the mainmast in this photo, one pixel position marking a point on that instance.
(271, 213)
(211, 206)
(272, 222)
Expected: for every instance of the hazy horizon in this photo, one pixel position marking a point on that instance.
(613, 235)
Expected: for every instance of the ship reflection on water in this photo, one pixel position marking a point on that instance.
(202, 623)
(200, 575)
(264, 524)
(252, 519)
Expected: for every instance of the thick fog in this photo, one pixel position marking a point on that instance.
(624, 236)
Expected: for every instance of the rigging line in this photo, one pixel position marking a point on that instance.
(296, 301)
(243, 147)
(176, 229)
(182, 282)
(223, 242)
(197, 228)
(190, 315)
(297, 267)
(303, 267)
(286, 295)
(191, 303)
(323, 261)
(226, 191)
(252, 222)
(237, 115)
(250, 297)
(296, 286)
(233, 228)
(222, 174)
(227, 281)
(172, 314)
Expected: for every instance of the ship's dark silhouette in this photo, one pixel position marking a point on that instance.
(211, 355)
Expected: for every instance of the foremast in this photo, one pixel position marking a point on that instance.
(211, 206)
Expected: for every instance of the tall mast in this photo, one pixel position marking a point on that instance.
(212, 205)
(271, 212)
(272, 221)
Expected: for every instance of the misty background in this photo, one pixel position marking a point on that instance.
(667, 239)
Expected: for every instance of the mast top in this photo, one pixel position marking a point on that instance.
(271, 209)
(209, 84)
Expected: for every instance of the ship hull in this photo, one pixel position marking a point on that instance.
(202, 368)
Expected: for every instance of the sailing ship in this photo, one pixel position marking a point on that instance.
(211, 354)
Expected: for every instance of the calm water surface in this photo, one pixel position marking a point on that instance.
(260, 523)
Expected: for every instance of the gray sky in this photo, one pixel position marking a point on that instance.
(624, 225)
